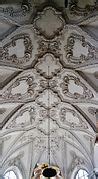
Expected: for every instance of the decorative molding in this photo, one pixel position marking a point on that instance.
(39, 143)
(44, 23)
(2, 111)
(25, 40)
(48, 84)
(90, 143)
(17, 160)
(27, 82)
(47, 90)
(92, 111)
(83, 57)
(16, 12)
(80, 11)
(22, 122)
(2, 140)
(86, 93)
(48, 66)
(75, 122)
(42, 100)
(47, 46)
(76, 162)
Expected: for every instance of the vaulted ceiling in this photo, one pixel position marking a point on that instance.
(49, 70)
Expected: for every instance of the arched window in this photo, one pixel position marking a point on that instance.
(10, 175)
(81, 174)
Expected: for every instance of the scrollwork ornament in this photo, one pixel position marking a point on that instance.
(83, 57)
(47, 46)
(78, 11)
(16, 123)
(87, 94)
(13, 59)
(92, 111)
(79, 124)
(29, 91)
(12, 12)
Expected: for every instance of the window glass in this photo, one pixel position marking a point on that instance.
(10, 175)
(82, 174)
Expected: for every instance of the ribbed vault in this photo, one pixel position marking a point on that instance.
(48, 85)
